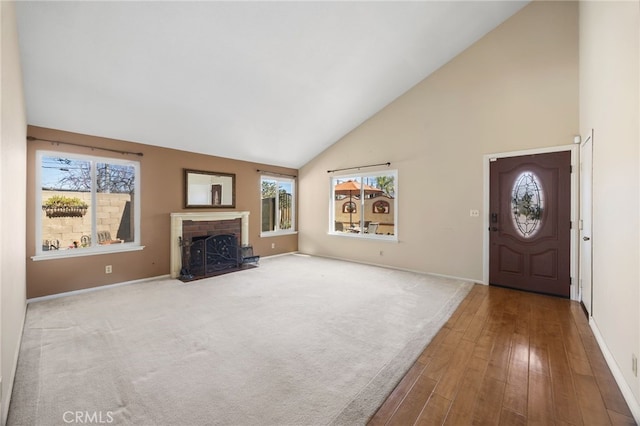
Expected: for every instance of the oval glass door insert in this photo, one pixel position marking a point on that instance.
(527, 203)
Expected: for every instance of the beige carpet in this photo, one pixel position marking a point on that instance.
(298, 341)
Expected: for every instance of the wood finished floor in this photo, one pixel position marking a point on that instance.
(507, 357)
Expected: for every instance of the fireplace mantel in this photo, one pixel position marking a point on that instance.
(176, 231)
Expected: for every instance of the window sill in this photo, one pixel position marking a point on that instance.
(64, 254)
(277, 233)
(376, 237)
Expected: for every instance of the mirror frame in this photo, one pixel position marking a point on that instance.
(188, 172)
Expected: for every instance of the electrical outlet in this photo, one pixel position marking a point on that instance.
(474, 213)
(634, 364)
(273, 245)
(381, 252)
(108, 269)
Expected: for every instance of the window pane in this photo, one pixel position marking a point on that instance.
(380, 204)
(66, 203)
(115, 185)
(346, 195)
(364, 204)
(285, 207)
(278, 204)
(87, 202)
(269, 188)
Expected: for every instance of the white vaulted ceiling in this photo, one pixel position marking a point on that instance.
(269, 82)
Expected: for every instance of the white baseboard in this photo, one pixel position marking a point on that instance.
(279, 254)
(14, 369)
(451, 277)
(98, 288)
(627, 393)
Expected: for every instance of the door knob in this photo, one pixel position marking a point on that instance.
(586, 238)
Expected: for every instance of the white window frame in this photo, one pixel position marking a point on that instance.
(360, 209)
(278, 231)
(96, 249)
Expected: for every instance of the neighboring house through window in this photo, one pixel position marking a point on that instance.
(85, 205)
(365, 205)
(278, 205)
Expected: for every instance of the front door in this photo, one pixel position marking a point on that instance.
(530, 223)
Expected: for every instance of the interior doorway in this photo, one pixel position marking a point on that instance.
(530, 201)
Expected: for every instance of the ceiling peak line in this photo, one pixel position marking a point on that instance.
(360, 167)
(33, 138)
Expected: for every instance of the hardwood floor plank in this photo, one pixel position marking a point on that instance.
(540, 403)
(413, 403)
(517, 388)
(435, 343)
(461, 411)
(478, 322)
(590, 400)
(484, 344)
(455, 370)
(609, 389)
(510, 358)
(509, 418)
(434, 412)
(488, 407)
(565, 399)
(499, 358)
(390, 405)
(539, 360)
(620, 419)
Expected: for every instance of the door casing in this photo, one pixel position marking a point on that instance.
(586, 224)
(574, 148)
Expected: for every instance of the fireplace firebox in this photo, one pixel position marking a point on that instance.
(210, 255)
(210, 243)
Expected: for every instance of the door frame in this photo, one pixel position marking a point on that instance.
(583, 184)
(575, 207)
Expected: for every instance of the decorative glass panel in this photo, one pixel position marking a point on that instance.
(527, 203)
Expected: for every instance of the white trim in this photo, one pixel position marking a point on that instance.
(14, 369)
(270, 234)
(65, 254)
(625, 389)
(365, 236)
(332, 207)
(176, 232)
(574, 149)
(395, 268)
(97, 288)
(294, 203)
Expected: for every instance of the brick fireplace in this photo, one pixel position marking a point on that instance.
(186, 226)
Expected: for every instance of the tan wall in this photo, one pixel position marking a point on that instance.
(13, 126)
(516, 88)
(609, 104)
(161, 194)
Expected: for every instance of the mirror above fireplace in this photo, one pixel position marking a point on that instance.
(204, 189)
